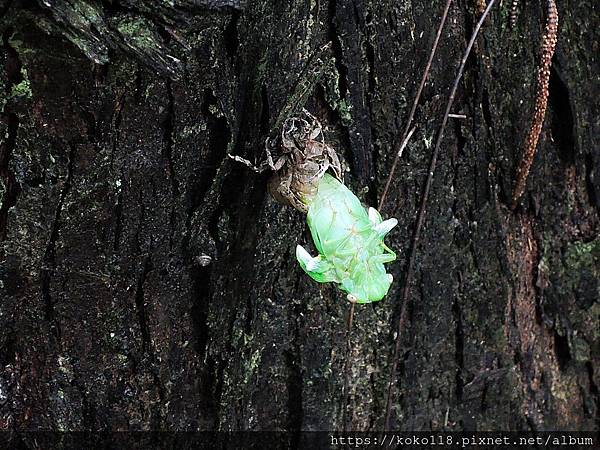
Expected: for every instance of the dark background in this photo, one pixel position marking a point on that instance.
(115, 188)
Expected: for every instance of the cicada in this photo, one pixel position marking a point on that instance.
(348, 237)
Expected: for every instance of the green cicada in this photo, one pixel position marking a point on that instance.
(349, 240)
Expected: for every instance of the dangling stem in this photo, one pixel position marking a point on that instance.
(541, 100)
(421, 217)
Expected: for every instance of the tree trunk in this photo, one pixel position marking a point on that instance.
(148, 281)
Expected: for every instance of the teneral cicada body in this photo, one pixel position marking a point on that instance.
(349, 240)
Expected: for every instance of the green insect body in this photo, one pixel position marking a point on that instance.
(349, 240)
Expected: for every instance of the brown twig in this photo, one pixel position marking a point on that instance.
(541, 99)
(405, 136)
(421, 217)
(408, 132)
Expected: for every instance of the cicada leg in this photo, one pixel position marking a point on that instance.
(318, 268)
(381, 227)
(384, 258)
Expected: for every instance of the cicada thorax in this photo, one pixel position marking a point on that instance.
(349, 242)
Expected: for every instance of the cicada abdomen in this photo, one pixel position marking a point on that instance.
(349, 240)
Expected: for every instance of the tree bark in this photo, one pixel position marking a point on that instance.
(147, 281)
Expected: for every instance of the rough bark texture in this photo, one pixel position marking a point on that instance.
(115, 189)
